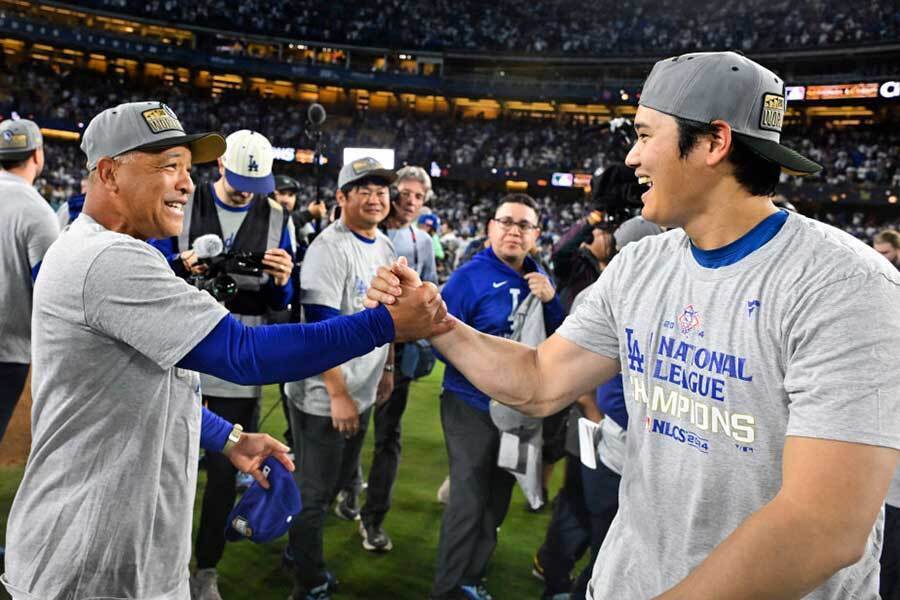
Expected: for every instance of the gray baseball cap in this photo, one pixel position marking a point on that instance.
(706, 86)
(362, 168)
(145, 126)
(19, 138)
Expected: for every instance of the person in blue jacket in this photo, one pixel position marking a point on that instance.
(484, 293)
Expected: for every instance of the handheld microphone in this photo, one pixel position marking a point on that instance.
(208, 246)
(315, 114)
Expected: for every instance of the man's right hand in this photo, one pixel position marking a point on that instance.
(190, 262)
(344, 415)
(417, 309)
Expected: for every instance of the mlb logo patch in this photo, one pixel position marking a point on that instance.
(161, 119)
(772, 115)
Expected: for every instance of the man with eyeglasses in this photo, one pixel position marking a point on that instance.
(484, 293)
(330, 412)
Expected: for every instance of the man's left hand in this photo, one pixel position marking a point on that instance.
(279, 265)
(540, 286)
(252, 449)
(385, 387)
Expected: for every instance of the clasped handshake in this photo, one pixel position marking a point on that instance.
(417, 308)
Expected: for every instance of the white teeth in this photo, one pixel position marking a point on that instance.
(176, 206)
(644, 180)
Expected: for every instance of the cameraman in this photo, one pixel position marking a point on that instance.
(236, 209)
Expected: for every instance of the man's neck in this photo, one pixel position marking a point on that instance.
(516, 265)
(25, 173)
(369, 232)
(394, 222)
(727, 218)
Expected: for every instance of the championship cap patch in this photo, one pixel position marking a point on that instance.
(161, 119)
(13, 141)
(772, 115)
(363, 165)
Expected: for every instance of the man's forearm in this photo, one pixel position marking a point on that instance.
(334, 382)
(537, 382)
(780, 552)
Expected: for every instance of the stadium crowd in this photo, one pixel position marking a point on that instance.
(598, 28)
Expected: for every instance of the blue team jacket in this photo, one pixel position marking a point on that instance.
(484, 293)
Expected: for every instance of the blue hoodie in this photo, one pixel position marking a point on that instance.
(484, 293)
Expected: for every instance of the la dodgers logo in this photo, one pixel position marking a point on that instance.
(689, 319)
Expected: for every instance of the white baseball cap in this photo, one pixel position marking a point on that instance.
(248, 162)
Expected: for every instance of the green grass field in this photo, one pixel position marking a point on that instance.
(252, 572)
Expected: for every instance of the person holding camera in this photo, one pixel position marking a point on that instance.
(330, 412)
(256, 239)
(308, 221)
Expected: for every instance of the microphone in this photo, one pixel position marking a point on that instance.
(315, 114)
(208, 246)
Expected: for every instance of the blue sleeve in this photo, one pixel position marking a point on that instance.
(214, 431)
(169, 249)
(280, 296)
(35, 270)
(554, 314)
(319, 312)
(288, 352)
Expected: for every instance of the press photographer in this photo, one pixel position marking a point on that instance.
(236, 244)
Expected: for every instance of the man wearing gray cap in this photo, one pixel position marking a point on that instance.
(758, 351)
(104, 507)
(330, 412)
(27, 228)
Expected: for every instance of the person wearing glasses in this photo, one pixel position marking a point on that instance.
(484, 293)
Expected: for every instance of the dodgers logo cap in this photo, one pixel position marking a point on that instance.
(144, 126)
(248, 162)
(362, 168)
(264, 515)
(19, 138)
(706, 86)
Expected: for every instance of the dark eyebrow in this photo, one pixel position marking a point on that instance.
(640, 125)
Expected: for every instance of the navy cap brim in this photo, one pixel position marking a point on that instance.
(255, 185)
(205, 147)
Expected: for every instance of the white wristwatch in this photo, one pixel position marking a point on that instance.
(233, 438)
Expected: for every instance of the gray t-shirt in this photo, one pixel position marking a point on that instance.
(104, 509)
(798, 338)
(27, 228)
(336, 272)
(416, 246)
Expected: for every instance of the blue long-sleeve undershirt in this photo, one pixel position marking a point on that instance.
(289, 352)
(214, 431)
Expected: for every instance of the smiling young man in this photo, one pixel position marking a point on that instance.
(330, 412)
(758, 351)
(484, 293)
(105, 504)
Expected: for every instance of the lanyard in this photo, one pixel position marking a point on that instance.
(412, 232)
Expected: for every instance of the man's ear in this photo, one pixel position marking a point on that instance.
(719, 144)
(107, 173)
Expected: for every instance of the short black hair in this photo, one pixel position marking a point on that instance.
(759, 175)
(365, 181)
(11, 163)
(519, 198)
